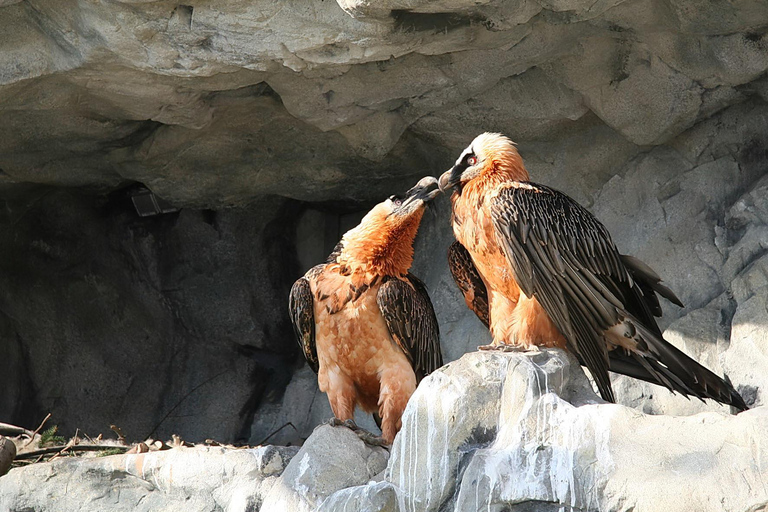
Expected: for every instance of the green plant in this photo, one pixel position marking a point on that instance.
(48, 437)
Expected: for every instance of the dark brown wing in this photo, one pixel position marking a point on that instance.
(412, 323)
(468, 280)
(650, 284)
(561, 254)
(301, 307)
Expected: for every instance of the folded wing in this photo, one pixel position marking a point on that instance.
(602, 302)
(411, 320)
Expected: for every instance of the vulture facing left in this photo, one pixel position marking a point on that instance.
(366, 325)
(541, 270)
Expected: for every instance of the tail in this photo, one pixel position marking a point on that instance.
(659, 362)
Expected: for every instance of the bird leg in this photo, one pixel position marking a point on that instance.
(367, 437)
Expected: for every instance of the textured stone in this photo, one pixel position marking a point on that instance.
(143, 323)
(194, 479)
(461, 408)
(7, 454)
(194, 87)
(375, 497)
(510, 429)
(636, 109)
(331, 459)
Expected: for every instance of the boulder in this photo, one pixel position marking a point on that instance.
(517, 431)
(331, 459)
(525, 431)
(194, 479)
(7, 454)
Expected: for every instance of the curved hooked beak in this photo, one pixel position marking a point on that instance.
(449, 179)
(425, 189)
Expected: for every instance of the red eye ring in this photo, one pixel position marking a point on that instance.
(472, 160)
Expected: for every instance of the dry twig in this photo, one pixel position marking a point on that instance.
(120, 436)
(6, 429)
(74, 448)
(37, 430)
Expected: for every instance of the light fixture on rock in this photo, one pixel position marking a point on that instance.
(147, 203)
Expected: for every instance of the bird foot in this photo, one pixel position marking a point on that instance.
(365, 436)
(532, 349)
(500, 348)
(336, 422)
(371, 439)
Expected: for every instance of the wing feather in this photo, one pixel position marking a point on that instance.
(468, 280)
(411, 320)
(565, 290)
(301, 308)
(562, 255)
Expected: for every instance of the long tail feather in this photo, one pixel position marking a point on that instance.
(659, 362)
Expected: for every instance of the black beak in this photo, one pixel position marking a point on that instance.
(450, 179)
(426, 189)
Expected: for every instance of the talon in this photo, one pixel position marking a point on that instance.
(500, 348)
(371, 439)
(351, 425)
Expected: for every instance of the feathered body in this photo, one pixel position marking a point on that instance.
(372, 332)
(540, 270)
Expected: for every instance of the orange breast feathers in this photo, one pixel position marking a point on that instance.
(358, 301)
(359, 363)
(515, 319)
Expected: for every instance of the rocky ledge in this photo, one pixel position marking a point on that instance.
(491, 431)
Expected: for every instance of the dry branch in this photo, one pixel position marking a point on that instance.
(37, 430)
(9, 430)
(74, 448)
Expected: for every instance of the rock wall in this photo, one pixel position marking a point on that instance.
(166, 324)
(269, 122)
(520, 432)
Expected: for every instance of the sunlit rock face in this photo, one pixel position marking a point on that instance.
(200, 478)
(519, 432)
(193, 479)
(525, 432)
(652, 113)
(332, 459)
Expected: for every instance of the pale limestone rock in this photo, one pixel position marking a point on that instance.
(493, 430)
(633, 108)
(375, 497)
(632, 90)
(461, 409)
(331, 459)
(194, 479)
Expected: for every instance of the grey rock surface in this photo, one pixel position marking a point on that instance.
(491, 431)
(194, 479)
(270, 123)
(168, 94)
(525, 431)
(171, 325)
(374, 497)
(332, 458)
(7, 454)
